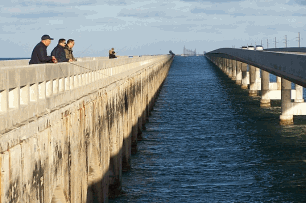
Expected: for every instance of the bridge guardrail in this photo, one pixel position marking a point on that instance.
(31, 90)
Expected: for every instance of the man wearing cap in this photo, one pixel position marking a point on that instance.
(39, 54)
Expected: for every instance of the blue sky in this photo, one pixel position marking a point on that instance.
(139, 27)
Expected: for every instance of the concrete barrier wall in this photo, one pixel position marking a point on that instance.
(22, 62)
(31, 90)
(70, 131)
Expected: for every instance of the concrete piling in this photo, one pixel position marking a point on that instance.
(287, 108)
(265, 81)
(238, 73)
(298, 93)
(253, 84)
(244, 81)
(234, 69)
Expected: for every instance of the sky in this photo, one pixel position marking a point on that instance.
(142, 27)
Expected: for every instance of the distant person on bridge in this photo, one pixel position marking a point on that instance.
(112, 53)
(68, 50)
(59, 51)
(39, 54)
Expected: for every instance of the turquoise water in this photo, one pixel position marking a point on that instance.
(208, 141)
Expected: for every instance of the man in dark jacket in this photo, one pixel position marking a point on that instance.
(59, 51)
(39, 54)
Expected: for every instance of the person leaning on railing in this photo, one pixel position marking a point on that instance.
(111, 54)
(39, 54)
(68, 50)
(59, 51)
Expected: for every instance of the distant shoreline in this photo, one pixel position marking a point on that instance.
(7, 59)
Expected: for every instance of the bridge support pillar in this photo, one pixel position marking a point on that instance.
(298, 93)
(253, 84)
(222, 62)
(234, 69)
(244, 71)
(225, 68)
(257, 79)
(286, 117)
(279, 83)
(230, 68)
(265, 100)
(238, 73)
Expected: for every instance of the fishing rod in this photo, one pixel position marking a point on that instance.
(85, 50)
(121, 49)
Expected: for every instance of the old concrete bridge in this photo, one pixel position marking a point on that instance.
(68, 129)
(251, 69)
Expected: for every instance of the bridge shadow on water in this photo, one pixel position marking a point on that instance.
(101, 190)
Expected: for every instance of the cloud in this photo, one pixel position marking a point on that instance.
(55, 3)
(40, 15)
(301, 2)
(184, 27)
(211, 1)
(116, 2)
(141, 13)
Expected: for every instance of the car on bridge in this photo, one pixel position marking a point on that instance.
(251, 48)
(259, 47)
(244, 47)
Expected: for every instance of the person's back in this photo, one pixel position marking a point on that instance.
(39, 54)
(59, 51)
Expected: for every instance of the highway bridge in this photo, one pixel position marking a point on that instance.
(251, 69)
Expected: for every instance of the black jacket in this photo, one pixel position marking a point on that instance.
(39, 54)
(59, 54)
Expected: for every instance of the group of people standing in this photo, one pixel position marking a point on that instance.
(61, 53)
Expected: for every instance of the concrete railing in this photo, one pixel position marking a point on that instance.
(22, 62)
(29, 91)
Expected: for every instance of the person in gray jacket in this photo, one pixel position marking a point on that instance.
(68, 50)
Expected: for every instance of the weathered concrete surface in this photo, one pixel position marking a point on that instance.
(75, 149)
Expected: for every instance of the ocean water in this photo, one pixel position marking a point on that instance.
(208, 141)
